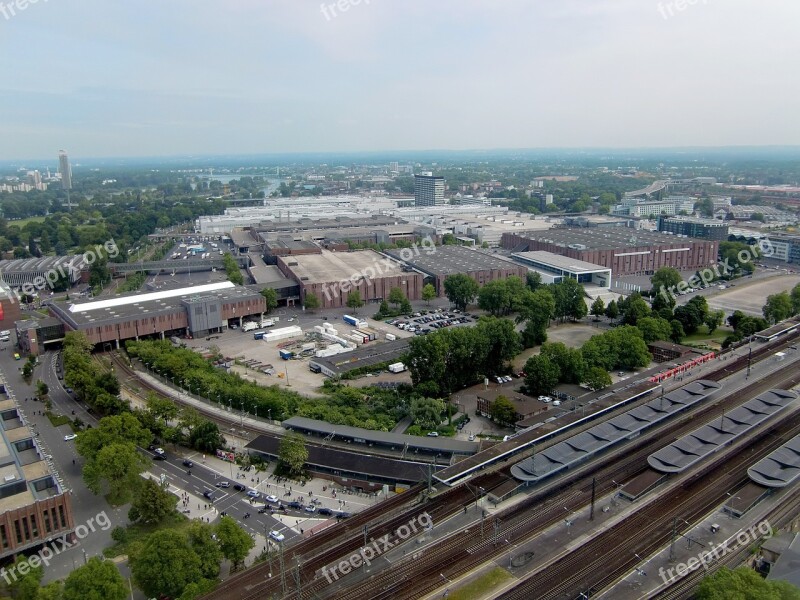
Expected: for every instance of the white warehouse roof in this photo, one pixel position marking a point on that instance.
(125, 300)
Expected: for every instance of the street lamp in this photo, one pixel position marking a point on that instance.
(242, 414)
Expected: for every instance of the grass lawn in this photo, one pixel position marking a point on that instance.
(22, 222)
(701, 336)
(58, 420)
(137, 533)
(478, 588)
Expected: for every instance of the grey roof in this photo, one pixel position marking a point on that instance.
(365, 356)
(430, 444)
(558, 261)
(447, 260)
(709, 438)
(604, 435)
(779, 469)
(787, 567)
(603, 238)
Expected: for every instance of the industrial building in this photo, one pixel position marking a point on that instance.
(35, 507)
(330, 276)
(21, 271)
(194, 311)
(624, 251)
(442, 261)
(366, 356)
(707, 229)
(639, 207)
(554, 268)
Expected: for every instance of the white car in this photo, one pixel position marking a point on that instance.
(253, 493)
(277, 536)
(310, 508)
(70, 436)
(290, 319)
(159, 451)
(271, 498)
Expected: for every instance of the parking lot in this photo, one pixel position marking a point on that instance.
(750, 295)
(424, 322)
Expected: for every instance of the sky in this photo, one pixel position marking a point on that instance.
(104, 78)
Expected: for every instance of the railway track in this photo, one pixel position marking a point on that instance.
(452, 561)
(603, 559)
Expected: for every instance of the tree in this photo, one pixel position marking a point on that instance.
(795, 296)
(533, 280)
(293, 452)
(396, 296)
(460, 289)
(503, 411)
(568, 295)
(598, 309)
(162, 409)
(151, 503)
(232, 269)
(206, 437)
(383, 308)
(427, 412)
(666, 279)
(596, 378)
(571, 365)
(428, 293)
(714, 319)
(165, 564)
(271, 296)
(654, 329)
(42, 389)
(536, 309)
(743, 584)
(690, 317)
(96, 580)
(354, 300)
(633, 308)
(311, 301)
(405, 306)
(612, 310)
(677, 333)
(234, 542)
(25, 586)
(541, 375)
(778, 307)
(495, 298)
(201, 539)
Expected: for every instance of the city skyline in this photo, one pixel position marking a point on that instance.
(296, 77)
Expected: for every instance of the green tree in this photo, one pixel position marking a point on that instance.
(165, 564)
(633, 308)
(311, 301)
(151, 503)
(427, 412)
(396, 296)
(778, 307)
(161, 409)
(676, 331)
(495, 298)
(503, 411)
(536, 309)
(666, 278)
(42, 389)
(714, 319)
(460, 289)
(293, 452)
(383, 308)
(25, 586)
(405, 307)
(654, 329)
(533, 280)
(743, 584)
(96, 580)
(354, 300)
(598, 308)
(428, 293)
(234, 542)
(201, 539)
(541, 375)
(795, 296)
(569, 297)
(612, 310)
(571, 365)
(596, 378)
(271, 296)
(206, 437)
(232, 269)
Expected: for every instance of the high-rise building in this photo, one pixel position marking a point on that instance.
(428, 189)
(65, 169)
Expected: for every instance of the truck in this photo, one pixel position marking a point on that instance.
(350, 320)
(267, 322)
(390, 337)
(249, 326)
(258, 335)
(397, 367)
(286, 354)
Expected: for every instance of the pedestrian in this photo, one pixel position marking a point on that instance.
(73, 461)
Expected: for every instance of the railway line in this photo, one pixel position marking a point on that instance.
(614, 552)
(461, 552)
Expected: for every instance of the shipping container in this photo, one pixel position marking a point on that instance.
(286, 354)
(258, 335)
(391, 337)
(397, 368)
(350, 320)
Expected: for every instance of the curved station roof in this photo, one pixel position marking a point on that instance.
(701, 443)
(586, 444)
(779, 469)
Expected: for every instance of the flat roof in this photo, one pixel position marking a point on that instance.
(46, 263)
(602, 436)
(447, 260)
(606, 238)
(267, 274)
(339, 266)
(703, 442)
(560, 262)
(430, 444)
(780, 468)
(148, 297)
(366, 355)
(350, 462)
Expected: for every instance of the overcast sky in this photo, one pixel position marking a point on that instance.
(164, 77)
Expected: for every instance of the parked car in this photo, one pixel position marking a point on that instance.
(253, 493)
(433, 434)
(70, 436)
(223, 484)
(271, 498)
(310, 508)
(325, 511)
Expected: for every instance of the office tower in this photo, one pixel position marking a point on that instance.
(428, 189)
(66, 173)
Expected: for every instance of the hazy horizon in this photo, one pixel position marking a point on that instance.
(207, 78)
